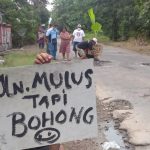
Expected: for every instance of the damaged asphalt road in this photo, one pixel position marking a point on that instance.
(123, 101)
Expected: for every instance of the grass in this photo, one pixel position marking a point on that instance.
(19, 58)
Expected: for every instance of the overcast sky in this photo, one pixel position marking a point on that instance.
(49, 7)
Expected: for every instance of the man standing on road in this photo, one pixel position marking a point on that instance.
(78, 35)
(48, 37)
(52, 41)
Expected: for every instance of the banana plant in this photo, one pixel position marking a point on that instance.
(96, 26)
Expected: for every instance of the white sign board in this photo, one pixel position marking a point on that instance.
(46, 104)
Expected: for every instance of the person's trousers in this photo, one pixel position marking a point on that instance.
(52, 47)
(74, 46)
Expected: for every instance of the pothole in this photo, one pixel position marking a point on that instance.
(111, 126)
(146, 64)
(120, 104)
(101, 63)
(111, 134)
(108, 128)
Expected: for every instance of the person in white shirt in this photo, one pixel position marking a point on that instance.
(78, 36)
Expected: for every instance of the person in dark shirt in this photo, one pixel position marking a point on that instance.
(88, 49)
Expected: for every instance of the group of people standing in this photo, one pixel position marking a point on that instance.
(81, 48)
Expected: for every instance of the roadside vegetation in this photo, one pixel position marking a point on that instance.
(24, 16)
(118, 20)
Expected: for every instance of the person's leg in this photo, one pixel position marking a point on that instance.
(67, 51)
(68, 56)
(54, 50)
(63, 55)
(39, 45)
(75, 53)
(47, 49)
(50, 48)
(43, 45)
(74, 49)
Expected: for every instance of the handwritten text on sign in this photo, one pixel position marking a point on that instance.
(47, 104)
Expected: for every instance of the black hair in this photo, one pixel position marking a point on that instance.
(64, 27)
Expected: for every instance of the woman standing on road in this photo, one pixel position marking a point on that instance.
(65, 44)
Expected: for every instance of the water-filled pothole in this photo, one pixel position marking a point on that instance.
(111, 126)
(111, 134)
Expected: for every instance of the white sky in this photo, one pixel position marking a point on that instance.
(49, 7)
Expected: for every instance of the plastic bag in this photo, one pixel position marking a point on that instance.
(110, 146)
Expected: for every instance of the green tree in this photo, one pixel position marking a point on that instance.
(24, 18)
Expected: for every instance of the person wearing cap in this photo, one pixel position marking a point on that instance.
(88, 49)
(78, 35)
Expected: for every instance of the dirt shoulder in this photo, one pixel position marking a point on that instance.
(134, 45)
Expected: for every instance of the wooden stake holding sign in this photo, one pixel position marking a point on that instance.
(46, 104)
